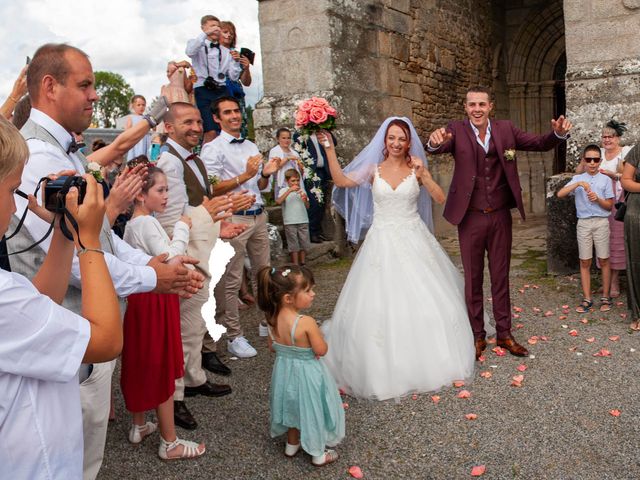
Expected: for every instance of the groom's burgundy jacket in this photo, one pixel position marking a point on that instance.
(468, 154)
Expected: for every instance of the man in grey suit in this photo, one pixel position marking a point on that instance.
(62, 91)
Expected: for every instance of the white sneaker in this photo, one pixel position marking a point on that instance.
(263, 330)
(241, 348)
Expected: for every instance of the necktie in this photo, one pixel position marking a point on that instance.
(214, 45)
(73, 146)
(238, 140)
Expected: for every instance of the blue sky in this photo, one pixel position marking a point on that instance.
(135, 38)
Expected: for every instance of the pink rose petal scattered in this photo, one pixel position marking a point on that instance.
(614, 338)
(591, 339)
(478, 470)
(533, 340)
(565, 310)
(517, 380)
(464, 394)
(341, 391)
(356, 472)
(548, 313)
(515, 315)
(471, 416)
(535, 286)
(565, 306)
(573, 349)
(486, 374)
(521, 290)
(619, 304)
(562, 317)
(543, 338)
(517, 309)
(414, 396)
(521, 368)
(435, 398)
(345, 405)
(573, 333)
(519, 325)
(536, 310)
(603, 352)
(458, 383)
(501, 352)
(526, 285)
(584, 320)
(614, 413)
(623, 315)
(482, 358)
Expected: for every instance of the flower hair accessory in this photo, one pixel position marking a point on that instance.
(510, 155)
(286, 272)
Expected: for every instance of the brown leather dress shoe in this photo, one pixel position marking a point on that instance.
(182, 416)
(481, 344)
(514, 347)
(208, 389)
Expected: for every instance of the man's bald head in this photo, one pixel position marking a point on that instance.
(184, 124)
(176, 109)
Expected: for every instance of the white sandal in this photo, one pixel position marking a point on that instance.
(189, 449)
(329, 456)
(291, 450)
(137, 433)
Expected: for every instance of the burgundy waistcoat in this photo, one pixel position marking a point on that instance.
(491, 189)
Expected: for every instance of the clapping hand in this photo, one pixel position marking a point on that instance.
(272, 166)
(438, 137)
(561, 126)
(253, 165)
(242, 200)
(219, 207)
(231, 230)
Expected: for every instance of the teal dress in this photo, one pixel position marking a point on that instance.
(305, 396)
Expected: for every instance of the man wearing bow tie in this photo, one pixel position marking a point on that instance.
(238, 164)
(213, 64)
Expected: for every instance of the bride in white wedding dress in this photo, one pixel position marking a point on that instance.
(400, 325)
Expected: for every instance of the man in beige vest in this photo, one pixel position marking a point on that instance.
(190, 193)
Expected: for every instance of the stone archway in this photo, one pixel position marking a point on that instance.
(536, 93)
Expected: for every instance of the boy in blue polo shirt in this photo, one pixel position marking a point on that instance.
(594, 199)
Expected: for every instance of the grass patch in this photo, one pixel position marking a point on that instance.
(338, 263)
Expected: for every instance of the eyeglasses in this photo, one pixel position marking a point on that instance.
(592, 159)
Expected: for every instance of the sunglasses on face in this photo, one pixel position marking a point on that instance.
(592, 159)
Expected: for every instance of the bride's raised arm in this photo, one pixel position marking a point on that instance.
(427, 181)
(337, 175)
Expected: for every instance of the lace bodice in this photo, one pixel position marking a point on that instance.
(395, 207)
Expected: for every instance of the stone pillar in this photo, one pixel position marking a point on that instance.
(562, 245)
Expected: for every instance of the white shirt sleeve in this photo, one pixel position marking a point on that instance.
(213, 160)
(194, 44)
(38, 338)
(178, 199)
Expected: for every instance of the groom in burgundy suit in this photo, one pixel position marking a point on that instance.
(484, 189)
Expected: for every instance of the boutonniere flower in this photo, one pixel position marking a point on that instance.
(94, 169)
(213, 180)
(510, 155)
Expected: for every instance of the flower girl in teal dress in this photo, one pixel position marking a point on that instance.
(305, 402)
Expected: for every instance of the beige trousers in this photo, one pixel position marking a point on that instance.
(254, 241)
(95, 399)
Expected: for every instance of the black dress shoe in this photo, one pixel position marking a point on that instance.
(208, 389)
(211, 362)
(182, 416)
(316, 239)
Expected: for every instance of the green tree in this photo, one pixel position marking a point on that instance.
(115, 94)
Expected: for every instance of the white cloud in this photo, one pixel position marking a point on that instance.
(135, 38)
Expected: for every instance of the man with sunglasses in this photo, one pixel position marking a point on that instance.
(594, 199)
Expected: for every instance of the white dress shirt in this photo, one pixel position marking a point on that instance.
(487, 137)
(227, 160)
(41, 347)
(219, 60)
(146, 233)
(280, 182)
(128, 265)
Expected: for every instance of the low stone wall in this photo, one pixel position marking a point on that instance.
(562, 246)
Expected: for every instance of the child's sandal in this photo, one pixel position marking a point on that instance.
(137, 433)
(329, 456)
(605, 304)
(585, 306)
(189, 449)
(291, 450)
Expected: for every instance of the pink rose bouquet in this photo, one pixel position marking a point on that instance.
(315, 114)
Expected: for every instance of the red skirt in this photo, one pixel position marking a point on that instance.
(152, 351)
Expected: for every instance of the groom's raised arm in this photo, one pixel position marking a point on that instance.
(441, 140)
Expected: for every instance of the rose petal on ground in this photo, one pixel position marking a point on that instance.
(532, 340)
(603, 352)
(615, 412)
(341, 391)
(591, 339)
(543, 338)
(564, 326)
(584, 320)
(521, 367)
(521, 290)
(515, 315)
(526, 285)
(464, 394)
(499, 351)
(486, 374)
(345, 405)
(482, 358)
(518, 378)
(614, 338)
(536, 310)
(519, 325)
(565, 306)
(435, 398)
(458, 383)
(573, 333)
(623, 315)
(517, 309)
(562, 317)
(414, 396)
(548, 313)
(516, 384)
(565, 310)
(535, 286)
(471, 416)
(478, 470)
(356, 472)
(573, 349)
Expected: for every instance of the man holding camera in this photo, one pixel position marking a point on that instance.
(62, 91)
(213, 64)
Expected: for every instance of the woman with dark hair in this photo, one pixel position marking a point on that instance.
(613, 155)
(400, 324)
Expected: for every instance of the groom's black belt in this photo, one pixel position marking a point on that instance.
(484, 210)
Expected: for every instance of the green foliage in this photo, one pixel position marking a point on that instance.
(251, 135)
(114, 97)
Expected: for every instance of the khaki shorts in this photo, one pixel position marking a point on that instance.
(297, 236)
(593, 231)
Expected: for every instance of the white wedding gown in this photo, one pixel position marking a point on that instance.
(400, 325)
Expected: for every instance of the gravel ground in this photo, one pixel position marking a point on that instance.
(557, 425)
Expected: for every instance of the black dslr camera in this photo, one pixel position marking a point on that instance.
(55, 192)
(210, 84)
